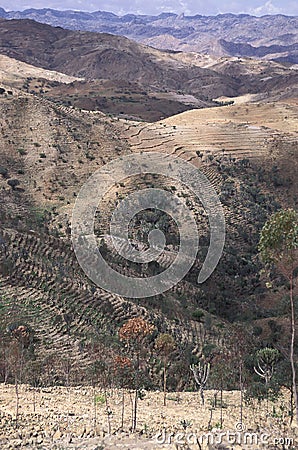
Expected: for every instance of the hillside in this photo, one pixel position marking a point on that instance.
(102, 56)
(15, 74)
(48, 151)
(272, 37)
(123, 77)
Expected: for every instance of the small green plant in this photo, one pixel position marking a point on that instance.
(42, 155)
(279, 414)
(145, 429)
(214, 403)
(100, 399)
(266, 360)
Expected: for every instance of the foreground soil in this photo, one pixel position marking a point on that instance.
(61, 418)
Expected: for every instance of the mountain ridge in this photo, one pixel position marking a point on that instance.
(193, 33)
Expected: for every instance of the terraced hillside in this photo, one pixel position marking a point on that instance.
(257, 132)
(48, 151)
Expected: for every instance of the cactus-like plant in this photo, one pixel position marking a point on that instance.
(266, 359)
(201, 373)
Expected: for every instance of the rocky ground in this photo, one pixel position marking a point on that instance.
(61, 418)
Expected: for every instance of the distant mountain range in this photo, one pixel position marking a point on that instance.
(268, 37)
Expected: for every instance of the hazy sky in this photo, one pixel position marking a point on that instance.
(189, 7)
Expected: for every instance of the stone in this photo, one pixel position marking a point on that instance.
(57, 435)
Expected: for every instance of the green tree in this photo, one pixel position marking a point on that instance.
(278, 247)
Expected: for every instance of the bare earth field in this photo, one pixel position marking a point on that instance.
(65, 419)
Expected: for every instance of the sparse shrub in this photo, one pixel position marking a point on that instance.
(13, 183)
(185, 423)
(3, 171)
(198, 315)
(90, 157)
(257, 330)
